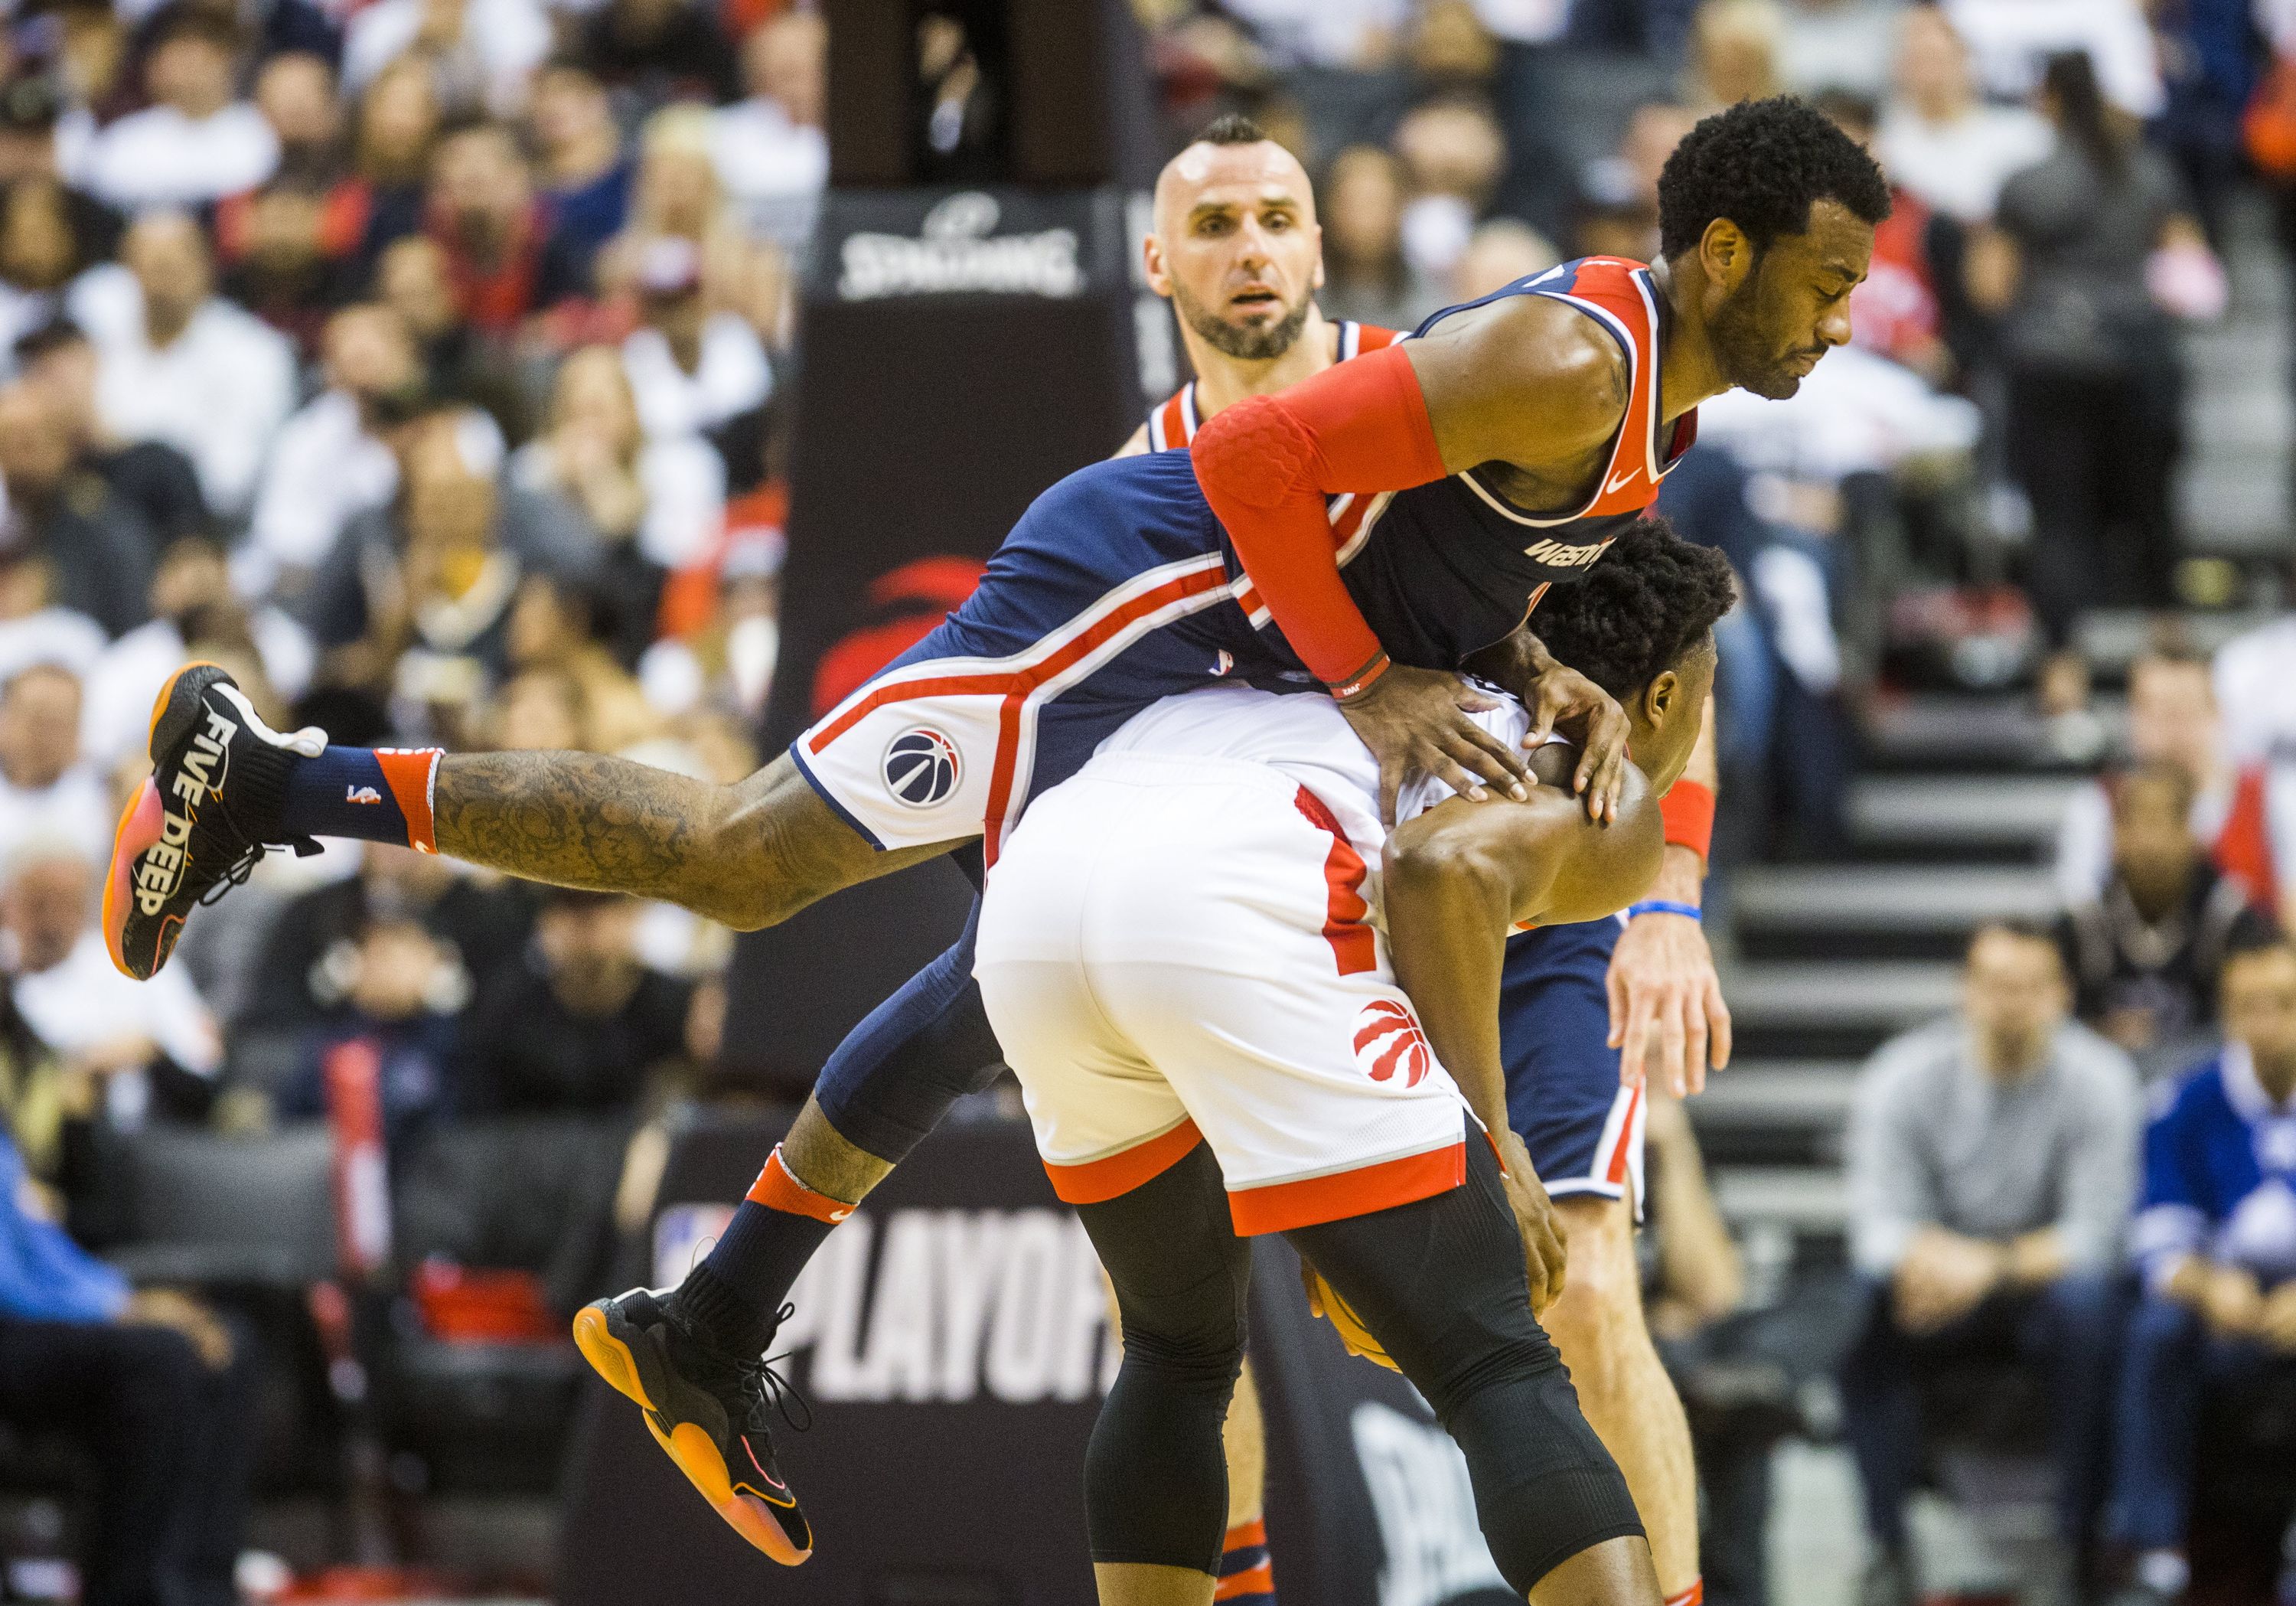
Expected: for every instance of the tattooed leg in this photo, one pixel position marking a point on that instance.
(748, 855)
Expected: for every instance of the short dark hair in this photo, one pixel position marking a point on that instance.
(1233, 129)
(1763, 164)
(57, 335)
(1652, 598)
(187, 19)
(2259, 940)
(2019, 929)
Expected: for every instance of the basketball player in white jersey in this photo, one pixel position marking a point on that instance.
(1238, 1005)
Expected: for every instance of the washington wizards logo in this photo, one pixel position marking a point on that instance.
(921, 767)
(1388, 1040)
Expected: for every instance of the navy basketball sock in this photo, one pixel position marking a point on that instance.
(734, 1297)
(374, 794)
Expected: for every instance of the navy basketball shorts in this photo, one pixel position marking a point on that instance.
(1111, 591)
(1584, 1130)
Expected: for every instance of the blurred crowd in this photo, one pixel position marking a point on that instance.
(425, 362)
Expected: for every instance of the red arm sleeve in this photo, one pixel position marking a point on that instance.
(1266, 464)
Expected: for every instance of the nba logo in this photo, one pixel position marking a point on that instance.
(920, 767)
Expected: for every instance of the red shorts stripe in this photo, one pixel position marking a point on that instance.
(1279, 1206)
(1353, 946)
(1111, 1176)
(778, 1189)
(1696, 1595)
(1615, 1171)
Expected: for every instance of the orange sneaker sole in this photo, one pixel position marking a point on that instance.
(686, 1445)
(139, 824)
(143, 814)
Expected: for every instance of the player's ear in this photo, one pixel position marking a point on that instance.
(1151, 258)
(1727, 255)
(1660, 696)
(1317, 230)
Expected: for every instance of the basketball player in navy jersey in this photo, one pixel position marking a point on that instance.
(1237, 250)
(1495, 453)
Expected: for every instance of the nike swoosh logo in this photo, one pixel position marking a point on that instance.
(1622, 481)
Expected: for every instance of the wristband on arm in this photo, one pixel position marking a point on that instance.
(1688, 813)
(1265, 465)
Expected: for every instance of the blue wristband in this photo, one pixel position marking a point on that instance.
(1662, 906)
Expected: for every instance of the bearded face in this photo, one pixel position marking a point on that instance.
(1247, 328)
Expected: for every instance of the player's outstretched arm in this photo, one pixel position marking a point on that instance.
(749, 854)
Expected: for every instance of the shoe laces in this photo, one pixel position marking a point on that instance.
(757, 1381)
(234, 874)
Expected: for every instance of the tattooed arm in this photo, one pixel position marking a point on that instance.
(750, 854)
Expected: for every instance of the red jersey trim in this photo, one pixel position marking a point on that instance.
(1279, 1206)
(1111, 1176)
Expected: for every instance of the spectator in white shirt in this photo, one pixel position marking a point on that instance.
(195, 142)
(1942, 142)
(45, 789)
(331, 463)
(665, 493)
(2011, 40)
(142, 1043)
(1342, 34)
(34, 627)
(180, 364)
(1840, 44)
(771, 153)
(481, 52)
(691, 369)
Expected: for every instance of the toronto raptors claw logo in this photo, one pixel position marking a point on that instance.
(1388, 1040)
(920, 767)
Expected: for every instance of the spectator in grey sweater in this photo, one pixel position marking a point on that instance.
(1992, 1160)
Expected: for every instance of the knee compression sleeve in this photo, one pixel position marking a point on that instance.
(1441, 1284)
(896, 1074)
(1155, 1476)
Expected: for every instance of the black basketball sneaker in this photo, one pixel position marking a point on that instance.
(197, 827)
(706, 1410)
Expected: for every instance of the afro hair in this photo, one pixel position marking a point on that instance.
(1652, 598)
(1763, 164)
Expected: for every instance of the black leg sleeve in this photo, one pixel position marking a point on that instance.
(1441, 1285)
(1155, 1476)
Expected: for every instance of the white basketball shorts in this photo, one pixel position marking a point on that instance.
(1174, 950)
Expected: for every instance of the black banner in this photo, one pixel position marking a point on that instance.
(962, 349)
(953, 1343)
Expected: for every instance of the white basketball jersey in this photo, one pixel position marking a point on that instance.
(1306, 736)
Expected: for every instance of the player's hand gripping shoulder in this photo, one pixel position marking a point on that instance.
(1561, 698)
(1419, 721)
